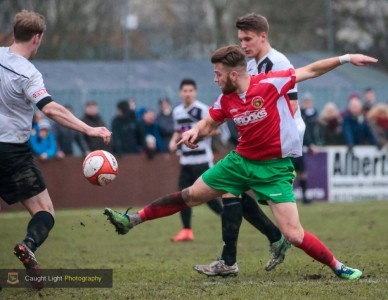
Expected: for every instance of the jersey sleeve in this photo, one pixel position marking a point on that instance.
(216, 111)
(285, 64)
(284, 80)
(35, 89)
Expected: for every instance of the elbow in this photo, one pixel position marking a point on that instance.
(48, 111)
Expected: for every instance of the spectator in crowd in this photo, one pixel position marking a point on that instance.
(37, 117)
(330, 126)
(369, 99)
(42, 141)
(92, 118)
(67, 137)
(165, 121)
(377, 118)
(133, 107)
(128, 134)
(310, 118)
(154, 142)
(355, 127)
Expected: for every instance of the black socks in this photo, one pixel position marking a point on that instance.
(186, 217)
(255, 216)
(216, 206)
(38, 229)
(231, 222)
(234, 210)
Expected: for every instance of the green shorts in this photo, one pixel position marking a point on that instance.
(268, 179)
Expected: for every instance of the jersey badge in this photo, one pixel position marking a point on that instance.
(257, 102)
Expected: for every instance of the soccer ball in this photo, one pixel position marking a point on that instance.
(100, 167)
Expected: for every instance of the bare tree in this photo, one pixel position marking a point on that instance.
(186, 29)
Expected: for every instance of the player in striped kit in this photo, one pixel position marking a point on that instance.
(193, 162)
(22, 87)
(261, 162)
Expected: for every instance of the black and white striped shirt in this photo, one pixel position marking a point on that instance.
(185, 119)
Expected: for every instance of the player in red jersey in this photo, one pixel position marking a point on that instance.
(261, 162)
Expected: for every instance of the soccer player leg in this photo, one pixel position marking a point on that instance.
(194, 195)
(231, 223)
(231, 218)
(42, 211)
(216, 206)
(256, 217)
(186, 179)
(287, 218)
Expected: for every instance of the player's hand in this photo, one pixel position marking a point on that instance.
(189, 138)
(101, 132)
(362, 60)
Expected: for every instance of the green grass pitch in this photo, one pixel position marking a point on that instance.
(146, 265)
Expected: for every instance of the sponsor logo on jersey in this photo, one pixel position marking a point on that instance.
(250, 117)
(39, 93)
(257, 102)
(233, 110)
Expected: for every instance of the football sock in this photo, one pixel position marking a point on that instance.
(231, 221)
(134, 219)
(216, 206)
(255, 216)
(163, 207)
(317, 250)
(38, 229)
(186, 217)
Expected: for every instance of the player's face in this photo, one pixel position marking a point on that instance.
(188, 93)
(223, 78)
(252, 43)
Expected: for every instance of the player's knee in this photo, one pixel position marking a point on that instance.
(294, 236)
(191, 198)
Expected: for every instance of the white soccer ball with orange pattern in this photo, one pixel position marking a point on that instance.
(100, 167)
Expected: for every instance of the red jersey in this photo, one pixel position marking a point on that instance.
(263, 117)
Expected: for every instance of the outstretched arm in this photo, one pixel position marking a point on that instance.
(323, 66)
(63, 116)
(203, 128)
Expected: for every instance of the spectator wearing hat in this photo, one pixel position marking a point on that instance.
(42, 141)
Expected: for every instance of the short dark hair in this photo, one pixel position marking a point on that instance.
(230, 56)
(253, 22)
(27, 24)
(91, 102)
(164, 99)
(188, 81)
